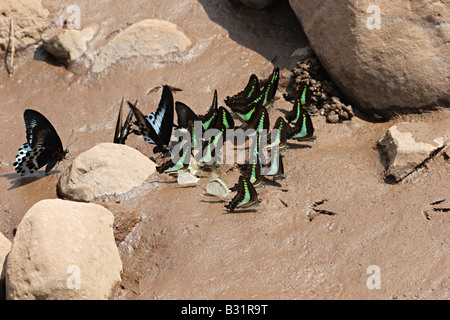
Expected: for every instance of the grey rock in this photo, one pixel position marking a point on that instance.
(403, 65)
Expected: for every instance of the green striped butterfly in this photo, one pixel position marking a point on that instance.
(303, 129)
(260, 121)
(282, 131)
(195, 136)
(209, 119)
(211, 147)
(253, 173)
(181, 164)
(250, 109)
(275, 168)
(246, 108)
(249, 93)
(225, 118)
(302, 100)
(245, 197)
(269, 88)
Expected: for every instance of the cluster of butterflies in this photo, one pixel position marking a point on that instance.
(251, 106)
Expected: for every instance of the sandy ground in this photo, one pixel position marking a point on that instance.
(187, 246)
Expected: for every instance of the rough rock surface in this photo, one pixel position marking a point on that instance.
(63, 250)
(68, 44)
(5, 247)
(407, 145)
(30, 19)
(145, 38)
(106, 169)
(402, 65)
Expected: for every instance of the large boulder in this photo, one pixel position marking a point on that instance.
(5, 247)
(150, 37)
(63, 250)
(30, 19)
(105, 170)
(398, 62)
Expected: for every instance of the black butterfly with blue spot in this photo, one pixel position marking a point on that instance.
(43, 146)
(156, 127)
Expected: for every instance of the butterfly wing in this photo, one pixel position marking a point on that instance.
(212, 147)
(275, 168)
(164, 115)
(184, 114)
(224, 118)
(253, 173)
(260, 120)
(245, 197)
(249, 93)
(217, 187)
(122, 130)
(282, 130)
(269, 87)
(302, 99)
(43, 145)
(144, 126)
(209, 119)
(303, 129)
(162, 119)
(118, 131)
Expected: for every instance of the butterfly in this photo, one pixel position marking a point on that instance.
(196, 137)
(246, 195)
(122, 130)
(281, 130)
(252, 172)
(186, 178)
(247, 111)
(303, 129)
(184, 114)
(162, 119)
(269, 87)
(303, 98)
(43, 146)
(225, 118)
(260, 121)
(246, 108)
(217, 187)
(210, 118)
(146, 129)
(249, 93)
(275, 168)
(212, 147)
(182, 163)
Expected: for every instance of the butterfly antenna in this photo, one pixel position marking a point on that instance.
(70, 137)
